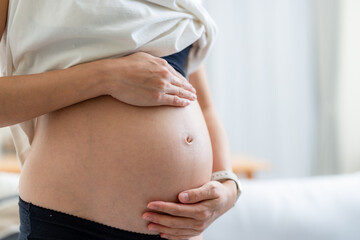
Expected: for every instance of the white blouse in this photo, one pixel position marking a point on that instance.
(44, 35)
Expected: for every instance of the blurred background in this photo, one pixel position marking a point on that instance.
(285, 79)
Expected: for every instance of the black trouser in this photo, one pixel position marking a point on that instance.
(39, 223)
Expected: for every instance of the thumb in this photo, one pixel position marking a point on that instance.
(208, 191)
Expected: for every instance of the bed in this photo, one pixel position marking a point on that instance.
(313, 208)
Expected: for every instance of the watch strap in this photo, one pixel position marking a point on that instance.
(228, 175)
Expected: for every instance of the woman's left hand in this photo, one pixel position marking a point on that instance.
(197, 209)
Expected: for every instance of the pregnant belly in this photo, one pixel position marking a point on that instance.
(104, 160)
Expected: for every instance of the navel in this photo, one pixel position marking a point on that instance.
(189, 139)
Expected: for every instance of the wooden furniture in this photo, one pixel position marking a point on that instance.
(9, 163)
(247, 165)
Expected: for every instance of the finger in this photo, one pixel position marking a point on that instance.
(196, 211)
(172, 231)
(170, 221)
(208, 191)
(174, 90)
(167, 99)
(179, 80)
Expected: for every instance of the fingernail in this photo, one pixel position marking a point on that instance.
(193, 96)
(152, 228)
(147, 217)
(184, 196)
(153, 207)
(186, 102)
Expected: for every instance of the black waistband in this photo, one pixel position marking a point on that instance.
(42, 223)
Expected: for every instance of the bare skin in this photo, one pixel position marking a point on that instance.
(28, 96)
(94, 136)
(205, 204)
(105, 159)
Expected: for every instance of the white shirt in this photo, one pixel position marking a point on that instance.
(44, 35)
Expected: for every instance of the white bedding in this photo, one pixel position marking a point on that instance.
(310, 208)
(326, 207)
(8, 184)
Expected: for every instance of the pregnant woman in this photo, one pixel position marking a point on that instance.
(112, 119)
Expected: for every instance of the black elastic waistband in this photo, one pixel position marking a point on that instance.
(45, 221)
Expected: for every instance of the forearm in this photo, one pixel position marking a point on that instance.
(28, 96)
(219, 141)
(221, 150)
(3, 15)
(220, 144)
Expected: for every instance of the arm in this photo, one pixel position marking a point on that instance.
(25, 97)
(28, 96)
(137, 79)
(220, 144)
(3, 14)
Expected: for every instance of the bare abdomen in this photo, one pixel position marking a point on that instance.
(104, 160)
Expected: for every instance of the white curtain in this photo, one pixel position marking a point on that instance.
(285, 78)
(263, 81)
(326, 37)
(348, 88)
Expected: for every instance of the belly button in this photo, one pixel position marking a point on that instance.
(189, 139)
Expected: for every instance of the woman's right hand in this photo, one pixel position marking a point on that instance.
(141, 79)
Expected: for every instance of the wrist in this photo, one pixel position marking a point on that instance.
(231, 191)
(226, 175)
(103, 71)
